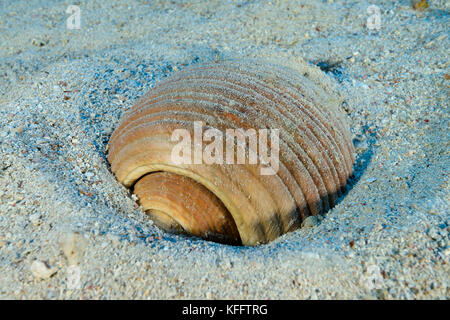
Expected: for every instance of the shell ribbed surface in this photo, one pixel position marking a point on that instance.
(316, 154)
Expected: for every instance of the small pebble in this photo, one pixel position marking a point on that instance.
(310, 222)
(35, 219)
(42, 270)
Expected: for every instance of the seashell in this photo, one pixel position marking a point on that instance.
(226, 202)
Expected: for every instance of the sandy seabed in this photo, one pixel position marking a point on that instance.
(62, 93)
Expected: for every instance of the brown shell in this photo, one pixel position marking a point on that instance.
(234, 203)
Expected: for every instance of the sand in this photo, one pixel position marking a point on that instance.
(69, 230)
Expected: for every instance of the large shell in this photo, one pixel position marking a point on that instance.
(233, 202)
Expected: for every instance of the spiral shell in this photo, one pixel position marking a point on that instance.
(234, 203)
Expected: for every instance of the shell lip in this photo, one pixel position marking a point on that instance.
(165, 217)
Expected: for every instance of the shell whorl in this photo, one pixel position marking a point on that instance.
(233, 203)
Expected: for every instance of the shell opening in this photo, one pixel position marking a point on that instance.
(179, 204)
